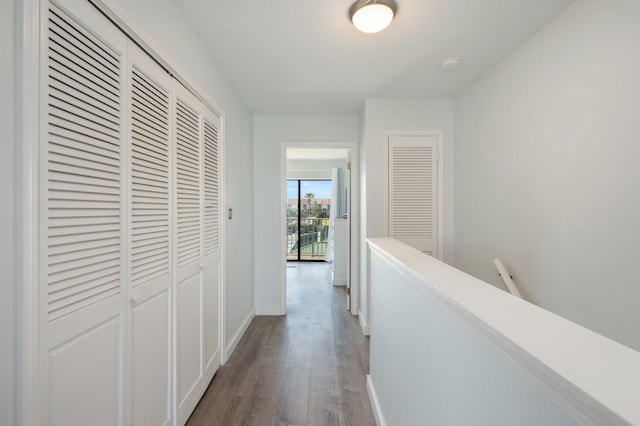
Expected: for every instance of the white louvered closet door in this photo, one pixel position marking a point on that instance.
(195, 318)
(413, 191)
(150, 217)
(211, 268)
(83, 263)
(129, 231)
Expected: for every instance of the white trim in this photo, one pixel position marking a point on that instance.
(268, 310)
(27, 117)
(354, 216)
(283, 232)
(577, 391)
(222, 235)
(228, 350)
(366, 330)
(375, 403)
(440, 160)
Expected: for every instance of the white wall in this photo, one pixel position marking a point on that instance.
(270, 132)
(168, 28)
(7, 271)
(547, 168)
(313, 169)
(383, 115)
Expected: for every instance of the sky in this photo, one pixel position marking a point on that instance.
(321, 188)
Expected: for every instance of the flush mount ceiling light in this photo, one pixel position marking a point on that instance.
(371, 16)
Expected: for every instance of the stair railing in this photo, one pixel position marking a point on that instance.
(507, 278)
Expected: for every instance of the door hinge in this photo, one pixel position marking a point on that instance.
(349, 165)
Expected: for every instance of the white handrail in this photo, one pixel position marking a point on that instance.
(506, 277)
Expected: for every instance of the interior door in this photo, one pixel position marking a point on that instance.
(82, 205)
(150, 216)
(197, 315)
(413, 191)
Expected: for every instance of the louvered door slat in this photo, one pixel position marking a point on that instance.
(85, 39)
(188, 184)
(146, 139)
(68, 66)
(61, 133)
(93, 256)
(83, 198)
(150, 110)
(59, 123)
(211, 189)
(148, 189)
(78, 91)
(72, 106)
(64, 40)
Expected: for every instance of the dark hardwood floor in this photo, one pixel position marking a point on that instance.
(306, 368)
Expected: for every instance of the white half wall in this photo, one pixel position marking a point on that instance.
(388, 115)
(165, 24)
(449, 349)
(8, 366)
(270, 132)
(546, 170)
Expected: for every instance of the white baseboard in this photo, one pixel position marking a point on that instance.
(268, 310)
(363, 325)
(375, 404)
(236, 338)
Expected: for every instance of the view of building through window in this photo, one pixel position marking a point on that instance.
(308, 213)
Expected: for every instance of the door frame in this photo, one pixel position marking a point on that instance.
(354, 217)
(439, 134)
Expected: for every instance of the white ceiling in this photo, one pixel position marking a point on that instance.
(304, 56)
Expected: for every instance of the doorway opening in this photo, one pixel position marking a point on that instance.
(317, 218)
(308, 219)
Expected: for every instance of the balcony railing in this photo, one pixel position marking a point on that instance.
(312, 241)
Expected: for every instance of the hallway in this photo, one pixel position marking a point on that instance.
(306, 368)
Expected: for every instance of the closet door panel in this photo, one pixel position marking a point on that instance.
(189, 245)
(212, 214)
(150, 246)
(84, 376)
(149, 393)
(81, 204)
(211, 303)
(188, 345)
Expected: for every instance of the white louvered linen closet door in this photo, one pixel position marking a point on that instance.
(150, 244)
(82, 226)
(413, 191)
(197, 286)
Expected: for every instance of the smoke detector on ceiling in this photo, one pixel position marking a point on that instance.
(450, 63)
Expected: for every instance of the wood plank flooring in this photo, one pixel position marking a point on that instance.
(306, 368)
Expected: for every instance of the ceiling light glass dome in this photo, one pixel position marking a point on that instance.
(372, 16)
